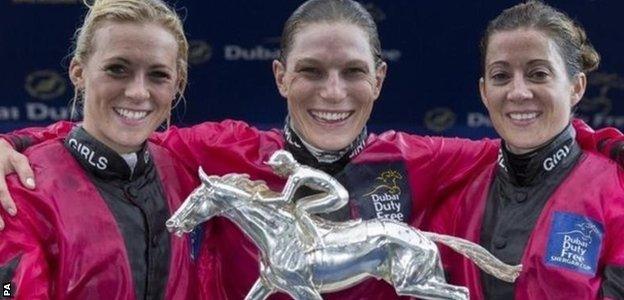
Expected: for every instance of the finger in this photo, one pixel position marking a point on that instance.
(1, 224)
(23, 170)
(5, 198)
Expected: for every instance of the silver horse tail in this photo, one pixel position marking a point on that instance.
(479, 255)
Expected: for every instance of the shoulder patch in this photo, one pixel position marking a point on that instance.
(574, 242)
(379, 190)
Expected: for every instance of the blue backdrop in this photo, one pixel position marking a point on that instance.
(431, 48)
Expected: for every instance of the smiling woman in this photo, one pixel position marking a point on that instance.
(535, 205)
(527, 89)
(331, 73)
(330, 81)
(94, 227)
(129, 83)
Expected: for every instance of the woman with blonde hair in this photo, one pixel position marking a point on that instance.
(94, 228)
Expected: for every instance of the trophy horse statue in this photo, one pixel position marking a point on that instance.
(304, 255)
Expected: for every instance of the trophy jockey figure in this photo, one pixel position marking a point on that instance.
(332, 194)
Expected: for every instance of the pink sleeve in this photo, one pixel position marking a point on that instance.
(437, 166)
(23, 262)
(457, 159)
(218, 145)
(23, 138)
(613, 256)
(607, 141)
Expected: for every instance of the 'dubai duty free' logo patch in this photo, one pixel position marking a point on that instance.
(386, 195)
(380, 190)
(574, 242)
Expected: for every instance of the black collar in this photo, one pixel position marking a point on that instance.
(100, 160)
(531, 168)
(339, 159)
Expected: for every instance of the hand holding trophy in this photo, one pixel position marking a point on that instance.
(304, 255)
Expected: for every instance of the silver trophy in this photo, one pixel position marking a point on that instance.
(304, 255)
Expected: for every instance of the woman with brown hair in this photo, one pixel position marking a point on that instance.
(546, 204)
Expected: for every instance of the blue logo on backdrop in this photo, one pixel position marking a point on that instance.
(574, 242)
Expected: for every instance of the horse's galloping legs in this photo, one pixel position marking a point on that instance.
(433, 289)
(259, 291)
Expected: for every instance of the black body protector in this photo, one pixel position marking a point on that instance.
(522, 186)
(136, 200)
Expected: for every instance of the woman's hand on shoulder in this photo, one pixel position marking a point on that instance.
(12, 161)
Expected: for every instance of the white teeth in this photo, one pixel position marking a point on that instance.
(523, 116)
(331, 116)
(131, 114)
